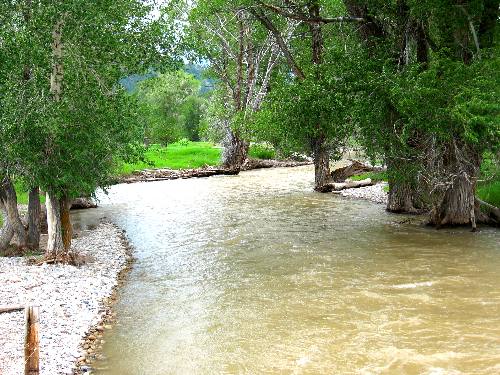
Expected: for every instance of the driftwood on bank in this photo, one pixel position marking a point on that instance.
(355, 168)
(261, 163)
(148, 175)
(338, 186)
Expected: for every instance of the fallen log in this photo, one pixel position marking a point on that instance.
(263, 163)
(149, 175)
(338, 186)
(355, 168)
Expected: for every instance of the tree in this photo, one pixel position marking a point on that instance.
(461, 117)
(242, 55)
(319, 95)
(17, 88)
(443, 55)
(170, 107)
(388, 36)
(72, 130)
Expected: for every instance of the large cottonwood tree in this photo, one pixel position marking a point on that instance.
(319, 67)
(242, 55)
(83, 120)
(436, 99)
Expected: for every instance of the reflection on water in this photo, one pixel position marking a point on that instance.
(258, 274)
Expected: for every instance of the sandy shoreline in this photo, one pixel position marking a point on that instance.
(74, 302)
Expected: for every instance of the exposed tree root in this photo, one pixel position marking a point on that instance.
(486, 213)
(68, 257)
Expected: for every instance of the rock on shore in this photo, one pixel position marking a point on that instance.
(71, 300)
(375, 193)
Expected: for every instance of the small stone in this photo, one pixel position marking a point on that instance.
(71, 300)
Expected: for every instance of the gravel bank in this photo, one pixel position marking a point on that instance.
(373, 193)
(72, 300)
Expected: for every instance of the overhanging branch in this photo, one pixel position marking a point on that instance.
(305, 18)
(266, 22)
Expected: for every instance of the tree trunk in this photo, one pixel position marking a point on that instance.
(9, 200)
(235, 151)
(55, 244)
(401, 197)
(405, 195)
(321, 157)
(34, 212)
(6, 235)
(456, 205)
(67, 227)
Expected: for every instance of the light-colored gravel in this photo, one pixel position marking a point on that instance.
(71, 300)
(373, 193)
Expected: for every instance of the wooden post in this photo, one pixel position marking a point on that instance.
(32, 342)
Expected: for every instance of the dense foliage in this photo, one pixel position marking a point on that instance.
(171, 107)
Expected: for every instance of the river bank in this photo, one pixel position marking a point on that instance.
(74, 302)
(162, 174)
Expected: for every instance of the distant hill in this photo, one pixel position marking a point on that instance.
(130, 82)
(207, 84)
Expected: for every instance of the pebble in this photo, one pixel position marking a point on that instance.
(71, 301)
(374, 193)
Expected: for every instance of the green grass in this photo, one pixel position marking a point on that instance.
(261, 151)
(490, 192)
(22, 196)
(375, 176)
(188, 155)
(181, 155)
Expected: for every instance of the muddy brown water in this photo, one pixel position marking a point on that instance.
(258, 274)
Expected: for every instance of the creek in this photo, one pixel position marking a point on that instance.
(258, 274)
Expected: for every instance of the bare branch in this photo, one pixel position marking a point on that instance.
(266, 22)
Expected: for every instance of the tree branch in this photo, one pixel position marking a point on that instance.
(473, 30)
(266, 22)
(308, 19)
